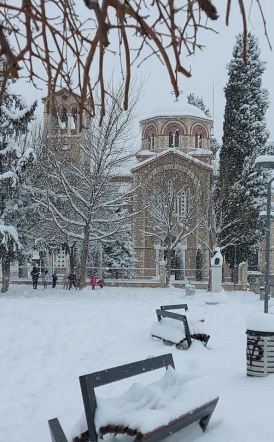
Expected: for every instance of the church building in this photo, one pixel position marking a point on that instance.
(172, 167)
(174, 159)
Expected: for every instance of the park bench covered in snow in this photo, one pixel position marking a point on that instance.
(148, 413)
(173, 328)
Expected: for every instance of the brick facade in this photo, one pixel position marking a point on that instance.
(176, 147)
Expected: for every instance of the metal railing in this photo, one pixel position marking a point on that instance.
(110, 273)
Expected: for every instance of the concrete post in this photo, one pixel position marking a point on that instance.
(216, 269)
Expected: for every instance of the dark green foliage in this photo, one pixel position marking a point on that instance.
(241, 188)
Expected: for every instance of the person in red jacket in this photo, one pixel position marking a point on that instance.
(93, 281)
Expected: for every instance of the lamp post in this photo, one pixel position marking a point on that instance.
(266, 162)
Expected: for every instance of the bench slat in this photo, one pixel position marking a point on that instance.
(201, 414)
(56, 431)
(174, 307)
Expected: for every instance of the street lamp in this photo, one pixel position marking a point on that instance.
(266, 162)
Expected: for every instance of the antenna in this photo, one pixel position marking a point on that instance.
(213, 101)
(176, 98)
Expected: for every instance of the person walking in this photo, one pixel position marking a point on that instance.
(93, 281)
(65, 282)
(35, 275)
(45, 279)
(54, 279)
(72, 280)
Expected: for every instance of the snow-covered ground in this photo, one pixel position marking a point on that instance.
(49, 338)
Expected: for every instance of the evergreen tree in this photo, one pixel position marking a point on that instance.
(241, 187)
(15, 155)
(198, 102)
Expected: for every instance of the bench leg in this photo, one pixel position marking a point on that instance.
(56, 431)
(205, 419)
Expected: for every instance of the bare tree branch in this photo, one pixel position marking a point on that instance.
(50, 41)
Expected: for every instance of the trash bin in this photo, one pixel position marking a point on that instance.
(190, 289)
(260, 344)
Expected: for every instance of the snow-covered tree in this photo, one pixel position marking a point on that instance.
(82, 198)
(241, 188)
(198, 102)
(15, 156)
(172, 214)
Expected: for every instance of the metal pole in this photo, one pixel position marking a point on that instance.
(267, 247)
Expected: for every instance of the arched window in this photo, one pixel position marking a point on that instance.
(170, 139)
(179, 200)
(73, 120)
(63, 120)
(151, 141)
(173, 138)
(182, 202)
(176, 138)
(199, 140)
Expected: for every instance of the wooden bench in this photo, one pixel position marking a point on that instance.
(89, 382)
(184, 341)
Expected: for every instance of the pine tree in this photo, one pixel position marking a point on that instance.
(15, 155)
(241, 187)
(198, 102)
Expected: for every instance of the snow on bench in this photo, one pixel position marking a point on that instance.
(150, 412)
(178, 329)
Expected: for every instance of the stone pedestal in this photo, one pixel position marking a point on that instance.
(216, 276)
(216, 269)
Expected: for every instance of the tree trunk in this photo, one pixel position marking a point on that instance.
(72, 257)
(83, 260)
(168, 266)
(5, 272)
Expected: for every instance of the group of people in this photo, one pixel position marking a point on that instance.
(35, 273)
(69, 280)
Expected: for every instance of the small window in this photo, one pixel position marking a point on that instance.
(170, 139)
(173, 139)
(63, 123)
(182, 204)
(73, 123)
(176, 138)
(199, 140)
(151, 141)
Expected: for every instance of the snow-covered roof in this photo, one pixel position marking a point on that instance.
(172, 152)
(177, 109)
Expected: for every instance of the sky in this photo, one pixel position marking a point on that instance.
(209, 73)
(209, 68)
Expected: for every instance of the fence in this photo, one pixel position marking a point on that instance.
(110, 273)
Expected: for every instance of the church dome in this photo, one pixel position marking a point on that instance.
(177, 109)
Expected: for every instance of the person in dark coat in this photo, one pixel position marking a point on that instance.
(35, 276)
(54, 279)
(72, 280)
